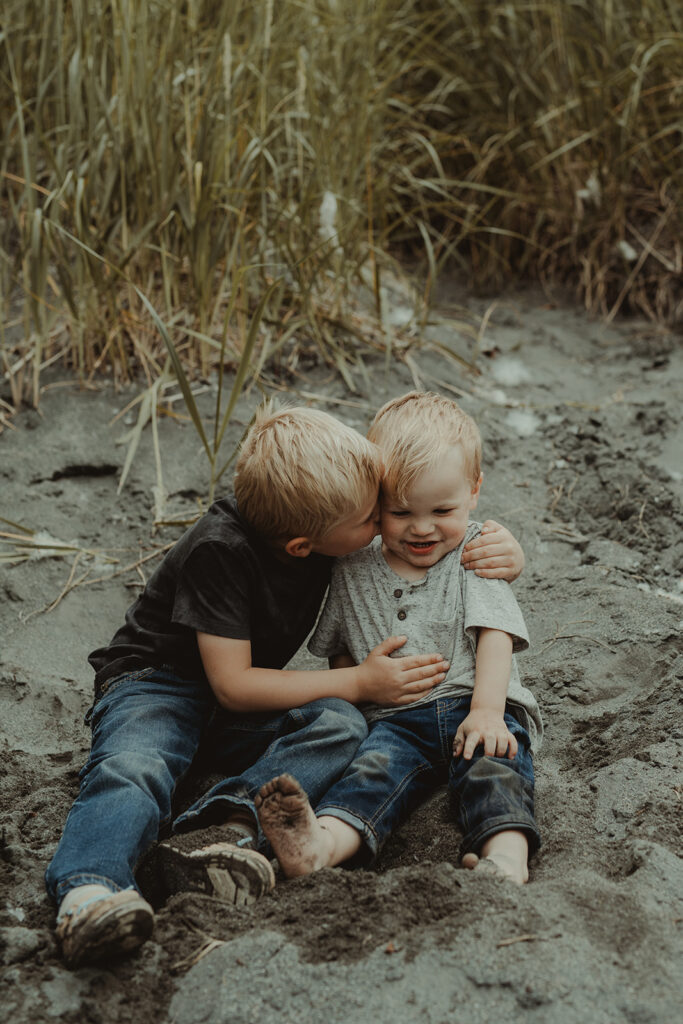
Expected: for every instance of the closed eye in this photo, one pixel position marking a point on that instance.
(443, 511)
(399, 512)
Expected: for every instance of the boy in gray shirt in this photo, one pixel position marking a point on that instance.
(477, 728)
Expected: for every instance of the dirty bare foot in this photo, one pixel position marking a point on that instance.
(299, 842)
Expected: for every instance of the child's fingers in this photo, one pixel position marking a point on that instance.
(513, 746)
(480, 547)
(500, 561)
(473, 740)
(490, 526)
(471, 558)
(491, 533)
(500, 573)
(423, 666)
(392, 643)
(491, 744)
(502, 744)
(424, 682)
(412, 691)
(492, 553)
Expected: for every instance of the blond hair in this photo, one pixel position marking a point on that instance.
(301, 472)
(414, 431)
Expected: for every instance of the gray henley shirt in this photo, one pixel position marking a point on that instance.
(443, 612)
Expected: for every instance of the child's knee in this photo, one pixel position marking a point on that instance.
(128, 770)
(341, 719)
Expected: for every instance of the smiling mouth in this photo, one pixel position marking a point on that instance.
(421, 545)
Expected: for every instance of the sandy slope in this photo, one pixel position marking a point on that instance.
(583, 437)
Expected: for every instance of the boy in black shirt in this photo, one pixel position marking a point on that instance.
(227, 608)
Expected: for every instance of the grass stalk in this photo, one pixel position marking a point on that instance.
(187, 142)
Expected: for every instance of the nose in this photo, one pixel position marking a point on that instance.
(422, 526)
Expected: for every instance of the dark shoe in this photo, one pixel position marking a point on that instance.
(230, 872)
(104, 926)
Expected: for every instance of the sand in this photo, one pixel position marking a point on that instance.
(582, 450)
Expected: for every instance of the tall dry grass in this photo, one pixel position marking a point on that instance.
(186, 152)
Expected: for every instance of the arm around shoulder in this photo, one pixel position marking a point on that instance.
(495, 553)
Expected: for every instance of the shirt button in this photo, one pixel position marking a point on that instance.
(401, 615)
(398, 593)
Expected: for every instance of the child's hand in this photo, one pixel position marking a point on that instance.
(487, 727)
(396, 681)
(495, 554)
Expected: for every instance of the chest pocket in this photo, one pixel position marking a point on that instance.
(430, 637)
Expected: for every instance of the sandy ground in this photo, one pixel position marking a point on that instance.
(582, 432)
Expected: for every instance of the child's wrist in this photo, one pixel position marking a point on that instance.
(488, 706)
(357, 684)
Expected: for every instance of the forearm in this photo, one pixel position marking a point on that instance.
(342, 661)
(485, 723)
(266, 689)
(240, 686)
(492, 673)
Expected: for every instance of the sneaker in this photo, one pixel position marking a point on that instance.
(102, 926)
(232, 873)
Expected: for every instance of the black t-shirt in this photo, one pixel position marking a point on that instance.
(219, 578)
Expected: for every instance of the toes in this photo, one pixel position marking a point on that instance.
(288, 785)
(281, 785)
(265, 791)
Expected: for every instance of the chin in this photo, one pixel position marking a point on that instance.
(425, 562)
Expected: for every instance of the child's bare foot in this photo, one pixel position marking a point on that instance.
(505, 854)
(299, 842)
(496, 864)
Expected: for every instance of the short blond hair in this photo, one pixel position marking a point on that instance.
(301, 472)
(414, 431)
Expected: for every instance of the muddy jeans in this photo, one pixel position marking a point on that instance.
(146, 728)
(408, 754)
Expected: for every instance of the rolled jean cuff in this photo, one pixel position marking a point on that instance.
(370, 846)
(473, 841)
(216, 811)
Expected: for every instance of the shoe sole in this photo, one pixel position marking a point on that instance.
(229, 872)
(113, 927)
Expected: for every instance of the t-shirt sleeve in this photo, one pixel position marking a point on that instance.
(491, 604)
(213, 593)
(328, 639)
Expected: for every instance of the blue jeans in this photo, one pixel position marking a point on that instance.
(146, 727)
(408, 754)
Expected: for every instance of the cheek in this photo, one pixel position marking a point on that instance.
(387, 528)
(367, 534)
(458, 526)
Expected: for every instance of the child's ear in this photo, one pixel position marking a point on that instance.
(299, 547)
(475, 491)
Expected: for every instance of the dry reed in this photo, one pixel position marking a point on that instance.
(212, 151)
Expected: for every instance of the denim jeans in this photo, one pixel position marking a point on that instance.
(146, 728)
(408, 754)
(315, 743)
